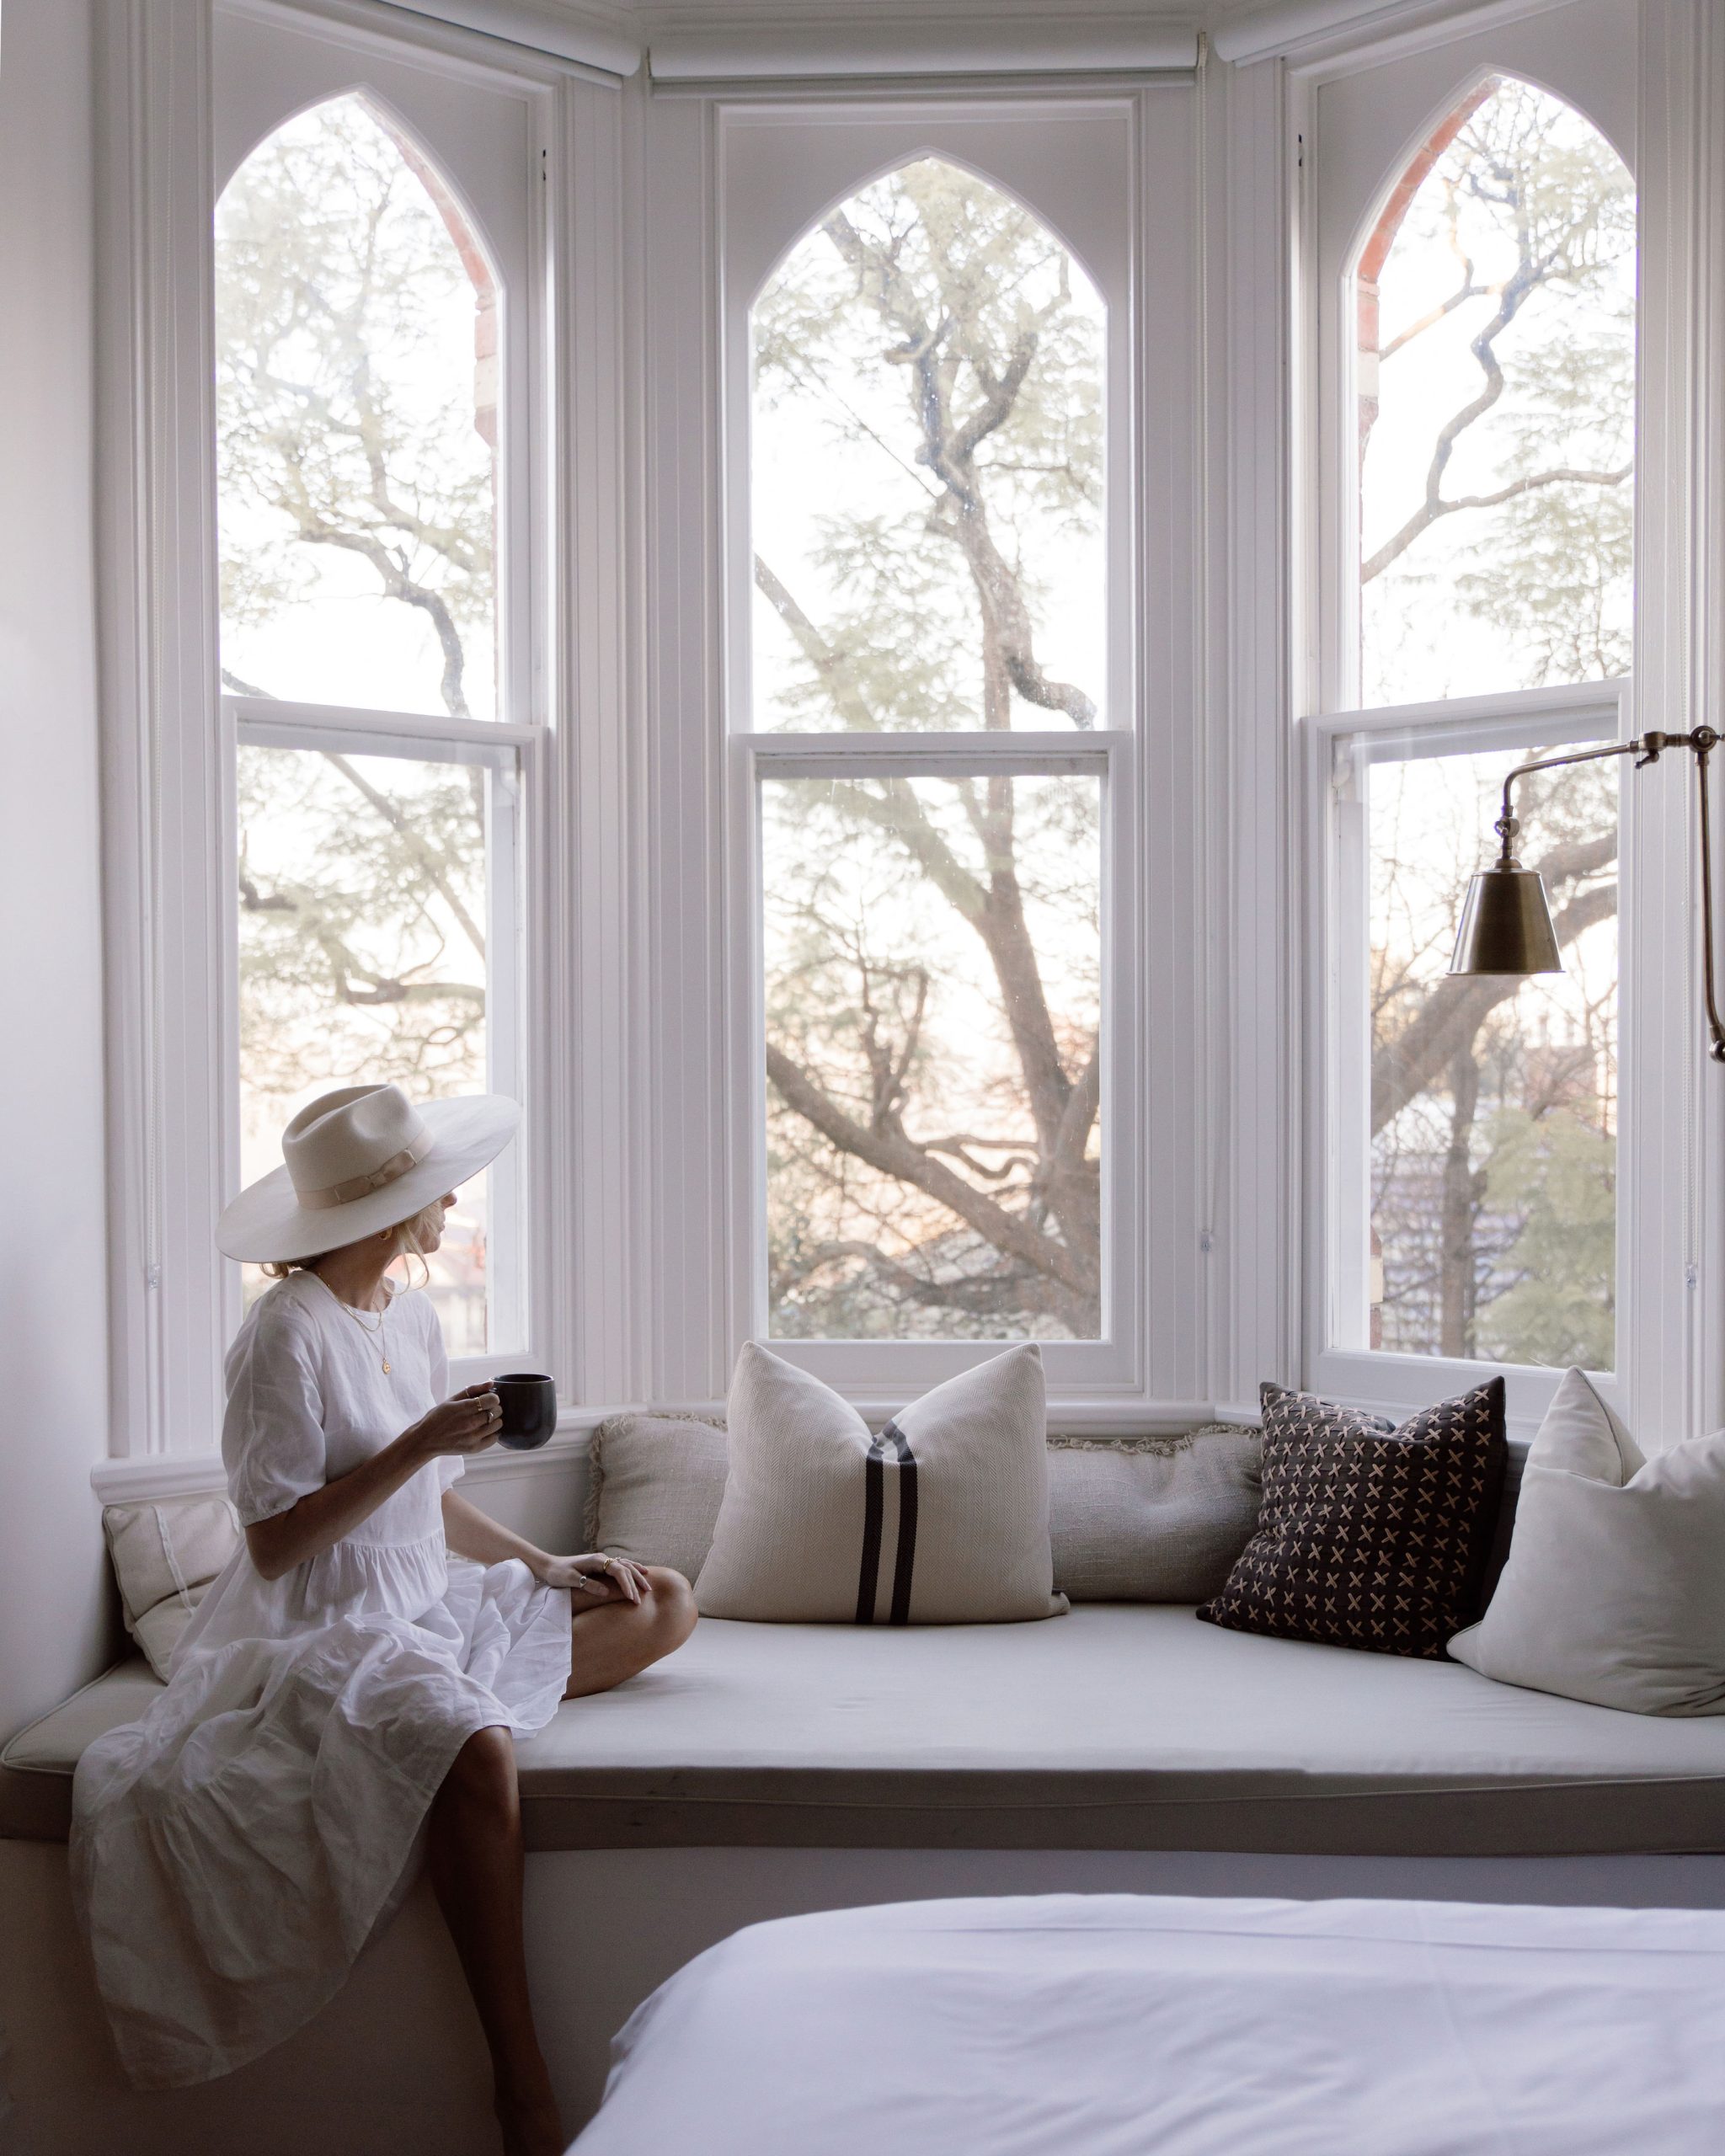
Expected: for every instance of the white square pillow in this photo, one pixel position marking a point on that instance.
(165, 1555)
(941, 1519)
(1615, 1588)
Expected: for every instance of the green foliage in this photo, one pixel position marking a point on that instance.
(1556, 1174)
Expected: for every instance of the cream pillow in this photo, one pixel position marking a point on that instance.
(1615, 1588)
(655, 1481)
(941, 1519)
(1154, 1518)
(165, 1555)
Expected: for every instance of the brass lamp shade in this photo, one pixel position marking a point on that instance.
(1506, 925)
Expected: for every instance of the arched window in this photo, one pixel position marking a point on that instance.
(356, 400)
(1495, 305)
(927, 468)
(928, 558)
(1492, 313)
(357, 414)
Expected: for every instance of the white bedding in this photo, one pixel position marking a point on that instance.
(1132, 2026)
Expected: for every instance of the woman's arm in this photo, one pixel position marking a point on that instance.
(469, 1423)
(472, 1534)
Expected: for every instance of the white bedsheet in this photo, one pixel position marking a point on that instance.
(1134, 2025)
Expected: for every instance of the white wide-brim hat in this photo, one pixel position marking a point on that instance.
(360, 1161)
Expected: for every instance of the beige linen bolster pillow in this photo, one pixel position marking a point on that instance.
(1154, 1518)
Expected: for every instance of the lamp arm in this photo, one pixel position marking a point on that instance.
(1646, 749)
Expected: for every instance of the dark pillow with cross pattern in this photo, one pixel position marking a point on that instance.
(1369, 1536)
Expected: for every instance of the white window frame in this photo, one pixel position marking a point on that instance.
(831, 148)
(179, 113)
(1410, 82)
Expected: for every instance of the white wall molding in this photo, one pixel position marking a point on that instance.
(165, 1476)
(166, 937)
(936, 45)
(594, 832)
(1254, 1260)
(595, 37)
(1313, 29)
(1679, 1138)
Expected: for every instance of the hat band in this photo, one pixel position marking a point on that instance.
(344, 1193)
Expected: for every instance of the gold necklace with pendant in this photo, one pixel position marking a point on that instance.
(376, 1331)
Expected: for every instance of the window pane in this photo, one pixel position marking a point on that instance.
(927, 468)
(1496, 309)
(356, 416)
(1494, 1102)
(933, 956)
(362, 929)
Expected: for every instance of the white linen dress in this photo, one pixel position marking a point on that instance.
(233, 1850)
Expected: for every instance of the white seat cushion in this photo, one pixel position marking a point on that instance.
(1122, 1726)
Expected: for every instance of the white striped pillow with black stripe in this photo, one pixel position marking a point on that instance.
(940, 1518)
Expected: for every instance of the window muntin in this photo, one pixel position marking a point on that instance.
(1491, 1103)
(926, 468)
(1494, 299)
(358, 416)
(357, 386)
(933, 956)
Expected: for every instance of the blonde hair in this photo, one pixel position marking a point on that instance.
(410, 1237)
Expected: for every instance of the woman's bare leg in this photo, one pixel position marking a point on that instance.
(614, 1639)
(475, 1859)
(475, 1855)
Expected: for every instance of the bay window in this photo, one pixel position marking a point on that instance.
(778, 621)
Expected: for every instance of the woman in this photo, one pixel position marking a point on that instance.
(340, 1688)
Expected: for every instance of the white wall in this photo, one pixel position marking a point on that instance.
(53, 1320)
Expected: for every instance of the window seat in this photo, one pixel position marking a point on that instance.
(1125, 1727)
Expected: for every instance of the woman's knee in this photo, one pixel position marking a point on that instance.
(482, 1777)
(673, 1605)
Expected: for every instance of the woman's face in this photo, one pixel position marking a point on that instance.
(432, 1236)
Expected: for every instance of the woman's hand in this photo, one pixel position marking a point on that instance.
(468, 1423)
(595, 1579)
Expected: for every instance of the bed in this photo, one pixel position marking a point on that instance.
(1124, 2024)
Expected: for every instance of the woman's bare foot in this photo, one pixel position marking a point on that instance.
(529, 2120)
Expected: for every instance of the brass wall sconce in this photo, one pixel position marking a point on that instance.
(1506, 921)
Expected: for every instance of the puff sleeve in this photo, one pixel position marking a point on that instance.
(272, 1435)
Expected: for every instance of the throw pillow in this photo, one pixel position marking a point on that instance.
(655, 1482)
(1151, 1520)
(165, 1555)
(941, 1519)
(1615, 1589)
(1369, 1536)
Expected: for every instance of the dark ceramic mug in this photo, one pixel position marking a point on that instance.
(529, 1403)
